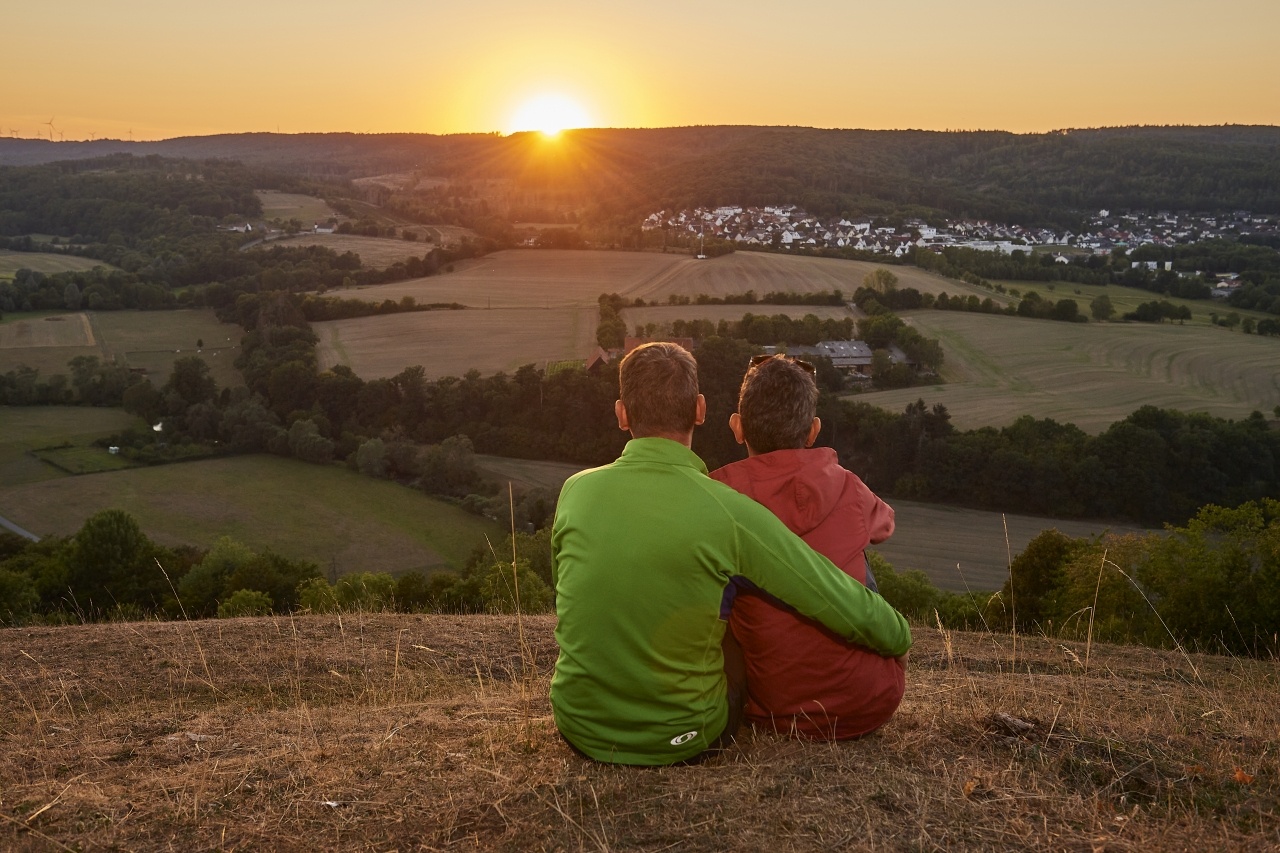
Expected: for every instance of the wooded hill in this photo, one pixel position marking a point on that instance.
(1050, 178)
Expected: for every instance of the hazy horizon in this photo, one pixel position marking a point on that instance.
(137, 70)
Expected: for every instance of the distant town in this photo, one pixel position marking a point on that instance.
(790, 227)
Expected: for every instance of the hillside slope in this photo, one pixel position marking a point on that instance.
(394, 732)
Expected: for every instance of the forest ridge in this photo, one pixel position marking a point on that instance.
(1050, 178)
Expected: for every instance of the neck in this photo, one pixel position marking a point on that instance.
(685, 438)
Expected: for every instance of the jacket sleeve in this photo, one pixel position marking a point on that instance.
(878, 514)
(780, 563)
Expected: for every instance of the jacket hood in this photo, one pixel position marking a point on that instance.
(802, 487)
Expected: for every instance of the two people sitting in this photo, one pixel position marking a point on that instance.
(689, 603)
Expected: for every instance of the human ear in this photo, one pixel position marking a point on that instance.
(700, 411)
(735, 426)
(620, 411)
(814, 429)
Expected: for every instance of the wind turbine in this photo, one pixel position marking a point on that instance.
(51, 127)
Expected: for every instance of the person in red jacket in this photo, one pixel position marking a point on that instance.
(802, 679)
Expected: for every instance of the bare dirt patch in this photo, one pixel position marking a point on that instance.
(375, 732)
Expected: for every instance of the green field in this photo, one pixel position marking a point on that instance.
(84, 460)
(957, 548)
(323, 513)
(45, 262)
(151, 340)
(998, 368)
(1123, 299)
(306, 209)
(29, 428)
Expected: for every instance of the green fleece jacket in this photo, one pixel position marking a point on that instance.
(644, 552)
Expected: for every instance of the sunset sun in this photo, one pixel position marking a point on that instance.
(549, 114)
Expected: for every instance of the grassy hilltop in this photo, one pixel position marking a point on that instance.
(394, 732)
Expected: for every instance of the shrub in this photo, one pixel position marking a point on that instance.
(245, 602)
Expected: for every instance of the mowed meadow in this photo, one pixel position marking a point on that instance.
(1090, 374)
(148, 340)
(44, 262)
(328, 514)
(544, 305)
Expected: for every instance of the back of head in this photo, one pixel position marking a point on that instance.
(658, 384)
(777, 403)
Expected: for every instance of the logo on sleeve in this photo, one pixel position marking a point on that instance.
(684, 738)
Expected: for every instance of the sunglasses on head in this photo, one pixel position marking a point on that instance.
(757, 360)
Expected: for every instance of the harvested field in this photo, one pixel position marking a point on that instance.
(930, 537)
(393, 181)
(28, 428)
(305, 208)
(151, 340)
(448, 235)
(527, 473)
(716, 313)
(396, 732)
(45, 341)
(38, 331)
(533, 279)
(965, 549)
(551, 278)
(450, 343)
(327, 514)
(374, 252)
(764, 272)
(45, 262)
(998, 368)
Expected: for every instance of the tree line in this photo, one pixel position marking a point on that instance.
(111, 570)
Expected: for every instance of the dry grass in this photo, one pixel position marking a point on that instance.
(379, 732)
(450, 343)
(1092, 375)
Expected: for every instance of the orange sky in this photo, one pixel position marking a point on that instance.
(177, 68)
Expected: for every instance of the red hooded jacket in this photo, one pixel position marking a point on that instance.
(801, 678)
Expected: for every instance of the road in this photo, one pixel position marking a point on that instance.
(9, 525)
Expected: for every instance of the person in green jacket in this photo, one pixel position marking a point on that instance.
(647, 553)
